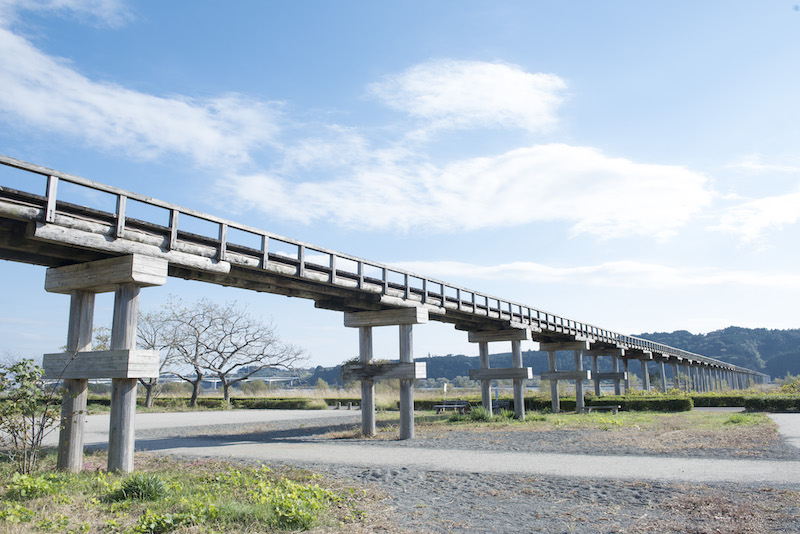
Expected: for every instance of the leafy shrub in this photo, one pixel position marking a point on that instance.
(28, 412)
(791, 387)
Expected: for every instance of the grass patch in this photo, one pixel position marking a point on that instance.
(167, 495)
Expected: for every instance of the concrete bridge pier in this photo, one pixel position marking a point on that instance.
(676, 383)
(73, 403)
(516, 372)
(614, 375)
(406, 370)
(663, 377)
(124, 275)
(578, 375)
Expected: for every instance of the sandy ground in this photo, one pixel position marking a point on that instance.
(505, 481)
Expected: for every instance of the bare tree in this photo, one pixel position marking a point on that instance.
(224, 342)
(154, 332)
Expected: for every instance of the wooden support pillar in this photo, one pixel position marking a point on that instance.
(123, 364)
(73, 404)
(595, 375)
(517, 373)
(645, 376)
(519, 384)
(555, 402)
(615, 369)
(367, 386)
(121, 433)
(405, 370)
(627, 375)
(578, 375)
(486, 384)
(675, 380)
(406, 385)
(578, 383)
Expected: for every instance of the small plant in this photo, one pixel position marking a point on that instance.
(505, 414)
(23, 487)
(479, 413)
(16, 513)
(142, 486)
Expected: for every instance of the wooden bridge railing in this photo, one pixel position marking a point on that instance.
(266, 250)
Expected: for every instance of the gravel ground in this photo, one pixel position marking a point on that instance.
(441, 501)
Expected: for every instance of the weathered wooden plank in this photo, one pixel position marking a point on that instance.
(104, 275)
(566, 375)
(610, 376)
(508, 373)
(512, 334)
(384, 371)
(606, 352)
(415, 315)
(189, 257)
(565, 345)
(122, 363)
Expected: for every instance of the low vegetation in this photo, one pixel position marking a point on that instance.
(167, 495)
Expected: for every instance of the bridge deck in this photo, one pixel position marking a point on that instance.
(42, 229)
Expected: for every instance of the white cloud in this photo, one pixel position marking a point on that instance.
(625, 274)
(47, 93)
(752, 219)
(467, 94)
(109, 12)
(753, 163)
(596, 194)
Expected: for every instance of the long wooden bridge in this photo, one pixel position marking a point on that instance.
(91, 250)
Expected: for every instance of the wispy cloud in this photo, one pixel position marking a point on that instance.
(594, 193)
(628, 274)
(451, 94)
(375, 185)
(752, 219)
(112, 13)
(47, 93)
(754, 164)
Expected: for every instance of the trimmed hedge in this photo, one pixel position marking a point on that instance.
(646, 404)
(773, 403)
(213, 403)
(712, 400)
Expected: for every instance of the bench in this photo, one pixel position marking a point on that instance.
(501, 405)
(614, 408)
(458, 406)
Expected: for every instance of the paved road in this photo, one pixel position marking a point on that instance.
(788, 427)
(171, 433)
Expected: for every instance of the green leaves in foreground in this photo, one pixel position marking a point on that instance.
(200, 497)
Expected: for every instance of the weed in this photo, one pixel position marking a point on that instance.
(23, 487)
(143, 486)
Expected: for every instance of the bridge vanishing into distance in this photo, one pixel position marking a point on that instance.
(134, 241)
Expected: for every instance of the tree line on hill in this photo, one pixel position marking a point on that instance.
(774, 352)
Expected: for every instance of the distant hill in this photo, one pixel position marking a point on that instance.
(775, 352)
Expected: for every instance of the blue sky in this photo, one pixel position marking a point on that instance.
(633, 165)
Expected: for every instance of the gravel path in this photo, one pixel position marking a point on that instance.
(512, 481)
